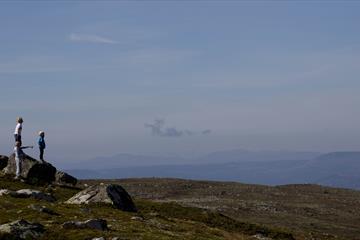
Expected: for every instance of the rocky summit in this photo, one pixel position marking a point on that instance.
(32, 170)
(35, 171)
(105, 193)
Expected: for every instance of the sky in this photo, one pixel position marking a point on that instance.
(180, 77)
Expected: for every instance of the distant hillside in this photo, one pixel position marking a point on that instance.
(240, 155)
(338, 169)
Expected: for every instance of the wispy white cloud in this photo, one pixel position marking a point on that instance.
(76, 37)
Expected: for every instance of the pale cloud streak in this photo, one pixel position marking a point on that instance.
(89, 38)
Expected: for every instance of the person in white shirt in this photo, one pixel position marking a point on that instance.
(18, 130)
(19, 155)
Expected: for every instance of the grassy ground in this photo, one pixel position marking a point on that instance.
(155, 220)
(308, 211)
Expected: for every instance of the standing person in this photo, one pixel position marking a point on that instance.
(18, 130)
(19, 155)
(42, 145)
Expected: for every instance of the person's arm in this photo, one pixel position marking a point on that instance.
(24, 147)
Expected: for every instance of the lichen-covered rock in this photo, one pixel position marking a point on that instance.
(22, 229)
(98, 224)
(106, 193)
(33, 171)
(64, 178)
(3, 161)
(27, 193)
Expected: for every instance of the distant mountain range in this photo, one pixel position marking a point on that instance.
(338, 169)
(237, 155)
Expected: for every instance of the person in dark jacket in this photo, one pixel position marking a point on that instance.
(42, 145)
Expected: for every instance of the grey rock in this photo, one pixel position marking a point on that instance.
(27, 193)
(98, 224)
(3, 161)
(136, 218)
(100, 238)
(22, 229)
(105, 193)
(261, 237)
(4, 192)
(33, 171)
(43, 209)
(64, 178)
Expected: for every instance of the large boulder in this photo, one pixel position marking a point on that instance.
(105, 193)
(64, 178)
(3, 161)
(22, 229)
(33, 171)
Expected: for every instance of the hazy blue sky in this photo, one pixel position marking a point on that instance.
(259, 75)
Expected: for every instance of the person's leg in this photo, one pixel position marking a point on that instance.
(16, 137)
(19, 139)
(17, 161)
(41, 154)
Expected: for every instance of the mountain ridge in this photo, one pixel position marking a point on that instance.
(333, 169)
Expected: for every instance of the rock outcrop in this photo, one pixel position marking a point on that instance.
(106, 193)
(3, 161)
(32, 170)
(22, 229)
(98, 224)
(36, 172)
